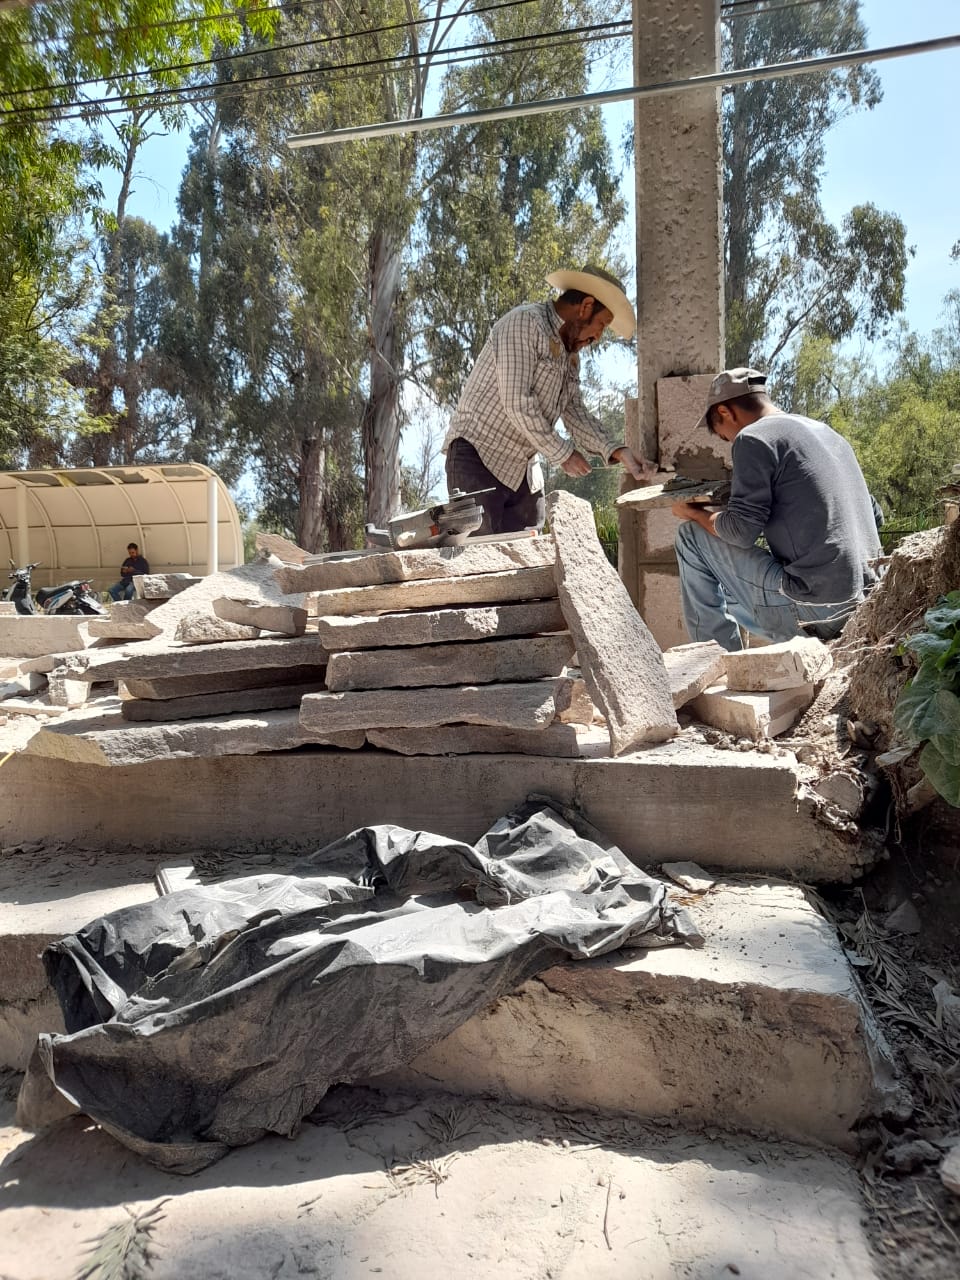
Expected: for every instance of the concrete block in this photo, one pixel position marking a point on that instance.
(162, 586)
(162, 659)
(128, 620)
(203, 628)
(619, 658)
(443, 626)
(691, 668)
(281, 618)
(752, 715)
(761, 1029)
(509, 706)
(222, 682)
(33, 636)
(105, 738)
(378, 568)
(468, 739)
(656, 532)
(693, 453)
(658, 602)
(440, 593)
(227, 703)
(788, 665)
(485, 662)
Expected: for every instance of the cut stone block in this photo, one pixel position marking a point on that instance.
(440, 593)
(692, 452)
(28, 682)
(276, 545)
(230, 702)
(222, 682)
(161, 659)
(762, 1029)
(202, 628)
(508, 706)
(752, 715)
(788, 665)
(250, 581)
(581, 709)
(162, 586)
(423, 563)
(105, 738)
(67, 693)
(486, 662)
(691, 668)
(469, 739)
(128, 620)
(689, 875)
(442, 626)
(34, 636)
(619, 658)
(282, 618)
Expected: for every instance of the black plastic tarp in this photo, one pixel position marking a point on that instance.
(214, 1015)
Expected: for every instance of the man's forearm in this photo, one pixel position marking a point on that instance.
(698, 514)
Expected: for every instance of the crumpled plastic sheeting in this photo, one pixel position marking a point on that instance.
(215, 1015)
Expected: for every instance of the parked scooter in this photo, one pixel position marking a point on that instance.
(70, 597)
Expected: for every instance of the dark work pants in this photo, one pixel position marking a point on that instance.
(505, 510)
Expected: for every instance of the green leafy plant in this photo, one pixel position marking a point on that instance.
(928, 709)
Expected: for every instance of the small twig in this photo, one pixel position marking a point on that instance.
(606, 1213)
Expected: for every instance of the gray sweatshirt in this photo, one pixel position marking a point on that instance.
(798, 482)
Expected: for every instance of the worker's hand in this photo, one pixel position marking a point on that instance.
(686, 510)
(575, 465)
(641, 469)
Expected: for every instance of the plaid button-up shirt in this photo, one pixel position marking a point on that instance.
(524, 380)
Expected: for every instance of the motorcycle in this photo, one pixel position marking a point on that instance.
(70, 597)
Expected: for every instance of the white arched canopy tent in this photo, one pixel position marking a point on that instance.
(77, 522)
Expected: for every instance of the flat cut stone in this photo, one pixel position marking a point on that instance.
(691, 668)
(752, 715)
(283, 618)
(161, 659)
(789, 665)
(34, 636)
(422, 563)
(469, 739)
(25, 683)
(619, 658)
(128, 620)
(440, 593)
(509, 706)
(689, 875)
(276, 545)
(222, 682)
(230, 702)
(162, 586)
(443, 626)
(485, 662)
(107, 739)
(202, 628)
(250, 581)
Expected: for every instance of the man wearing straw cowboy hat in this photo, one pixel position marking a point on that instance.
(525, 379)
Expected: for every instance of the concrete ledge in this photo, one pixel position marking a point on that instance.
(724, 809)
(759, 1030)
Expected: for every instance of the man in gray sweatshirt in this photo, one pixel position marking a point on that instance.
(796, 482)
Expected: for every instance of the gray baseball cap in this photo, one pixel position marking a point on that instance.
(730, 385)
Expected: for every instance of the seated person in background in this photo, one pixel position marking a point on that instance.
(134, 564)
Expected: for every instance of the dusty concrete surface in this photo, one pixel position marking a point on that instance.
(680, 800)
(409, 1190)
(761, 1029)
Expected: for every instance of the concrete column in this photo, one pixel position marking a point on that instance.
(679, 227)
(213, 529)
(23, 527)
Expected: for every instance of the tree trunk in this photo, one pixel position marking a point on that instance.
(380, 423)
(311, 515)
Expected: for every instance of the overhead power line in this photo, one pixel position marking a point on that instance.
(716, 80)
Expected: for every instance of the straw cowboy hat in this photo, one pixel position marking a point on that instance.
(605, 288)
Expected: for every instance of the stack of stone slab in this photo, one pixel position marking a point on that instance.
(765, 690)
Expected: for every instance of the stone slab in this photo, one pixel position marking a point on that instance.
(658, 602)
(661, 496)
(221, 682)
(689, 875)
(204, 628)
(276, 544)
(161, 659)
(32, 637)
(281, 618)
(762, 1029)
(581, 709)
(443, 626)
(163, 586)
(691, 668)
(106, 738)
(440, 593)
(752, 715)
(619, 658)
(519, 1193)
(466, 739)
(423, 563)
(533, 705)
(128, 620)
(788, 665)
(230, 702)
(484, 662)
(253, 581)
(678, 801)
(23, 683)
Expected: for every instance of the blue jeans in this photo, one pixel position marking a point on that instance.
(724, 588)
(123, 590)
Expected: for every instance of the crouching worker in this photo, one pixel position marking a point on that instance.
(797, 483)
